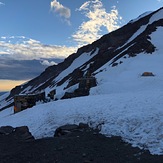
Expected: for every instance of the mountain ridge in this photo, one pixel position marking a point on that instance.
(128, 41)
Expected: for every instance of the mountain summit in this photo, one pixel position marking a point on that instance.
(116, 58)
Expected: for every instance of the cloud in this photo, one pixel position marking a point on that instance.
(29, 49)
(97, 16)
(60, 9)
(20, 69)
(48, 63)
(22, 48)
(23, 58)
(13, 69)
(1, 3)
(3, 37)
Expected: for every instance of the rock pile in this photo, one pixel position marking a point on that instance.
(19, 133)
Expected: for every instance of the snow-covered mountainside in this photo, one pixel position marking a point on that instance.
(124, 103)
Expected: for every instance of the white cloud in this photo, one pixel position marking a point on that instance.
(2, 3)
(29, 49)
(60, 9)
(84, 6)
(3, 37)
(48, 63)
(3, 52)
(89, 31)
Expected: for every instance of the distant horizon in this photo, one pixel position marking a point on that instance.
(7, 85)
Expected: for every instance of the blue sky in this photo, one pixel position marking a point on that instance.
(45, 30)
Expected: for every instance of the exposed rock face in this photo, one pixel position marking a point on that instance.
(108, 49)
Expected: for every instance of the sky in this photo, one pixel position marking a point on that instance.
(36, 34)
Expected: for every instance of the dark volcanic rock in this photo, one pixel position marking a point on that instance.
(6, 130)
(66, 129)
(22, 134)
(79, 146)
(63, 130)
(18, 134)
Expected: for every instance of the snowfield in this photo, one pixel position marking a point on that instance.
(136, 117)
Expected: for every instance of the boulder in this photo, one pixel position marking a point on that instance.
(22, 133)
(63, 130)
(83, 125)
(5, 130)
(19, 133)
(68, 128)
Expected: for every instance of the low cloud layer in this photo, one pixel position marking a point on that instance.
(48, 63)
(29, 49)
(20, 70)
(98, 17)
(23, 69)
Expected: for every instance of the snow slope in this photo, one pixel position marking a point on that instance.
(137, 117)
